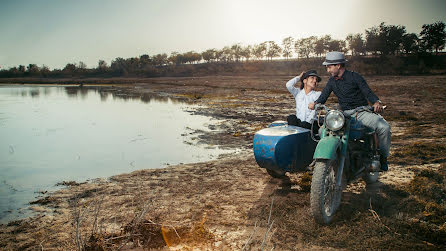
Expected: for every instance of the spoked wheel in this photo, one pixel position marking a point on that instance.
(278, 174)
(325, 197)
(370, 177)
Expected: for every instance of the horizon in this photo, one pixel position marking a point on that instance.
(54, 33)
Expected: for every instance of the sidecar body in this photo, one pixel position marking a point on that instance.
(283, 147)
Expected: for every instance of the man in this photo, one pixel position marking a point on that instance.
(304, 95)
(353, 91)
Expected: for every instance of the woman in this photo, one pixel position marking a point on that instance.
(304, 95)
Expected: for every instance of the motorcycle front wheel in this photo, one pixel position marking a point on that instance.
(325, 198)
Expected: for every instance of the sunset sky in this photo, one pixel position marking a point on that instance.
(55, 32)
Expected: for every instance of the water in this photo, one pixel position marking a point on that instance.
(54, 134)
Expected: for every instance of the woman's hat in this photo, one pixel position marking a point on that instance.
(310, 73)
(307, 74)
(334, 57)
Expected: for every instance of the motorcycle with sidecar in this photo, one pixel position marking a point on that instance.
(343, 152)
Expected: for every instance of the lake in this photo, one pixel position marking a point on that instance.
(54, 134)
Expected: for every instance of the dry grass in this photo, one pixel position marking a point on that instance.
(218, 204)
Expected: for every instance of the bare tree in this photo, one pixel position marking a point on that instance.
(236, 50)
(102, 65)
(259, 51)
(272, 50)
(247, 52)
(287, 44)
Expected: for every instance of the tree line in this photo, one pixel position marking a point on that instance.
(380, 40)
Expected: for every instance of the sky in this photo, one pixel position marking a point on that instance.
(57, 32)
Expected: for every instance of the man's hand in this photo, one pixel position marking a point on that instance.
(311, 106)
(378, 107)
(301, 75)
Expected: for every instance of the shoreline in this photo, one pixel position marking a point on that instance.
(226, 203)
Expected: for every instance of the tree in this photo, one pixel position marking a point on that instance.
(336, 45)
(144, 60)
(173, 58)
(22, 69)
(433, 36)
(272, 50)
(119, 66)
(44, 71)
(319, 46)
(236, 51)
(81, 66)
(218, 55)
(393, 37)
(69, 69)
(226, 54)
(194, 57)
(386, 39)
(305, 46)
(247, 52)
(209, 55)
(373, 42)
(259, 51)
(410, 43)
(33, 69)
(160, 59)
(102, 66)
(355, 43)
(287, 44)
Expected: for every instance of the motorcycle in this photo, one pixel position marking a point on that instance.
(345, 152)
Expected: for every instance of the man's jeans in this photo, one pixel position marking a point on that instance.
(380, 126)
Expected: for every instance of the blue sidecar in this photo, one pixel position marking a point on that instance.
(283, 148)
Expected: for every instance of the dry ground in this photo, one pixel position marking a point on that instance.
(231, 203)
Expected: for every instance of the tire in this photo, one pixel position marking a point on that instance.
(325, 198)
(370, 177)
(278, 174)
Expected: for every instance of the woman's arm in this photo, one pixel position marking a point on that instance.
(290, 85)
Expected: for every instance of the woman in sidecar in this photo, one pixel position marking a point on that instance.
(304, 95)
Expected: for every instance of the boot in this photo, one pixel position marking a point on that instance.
(384, 164)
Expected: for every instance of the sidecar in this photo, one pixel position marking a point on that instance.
(283, 148)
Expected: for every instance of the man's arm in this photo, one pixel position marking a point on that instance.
(368, 93)
(323, 97)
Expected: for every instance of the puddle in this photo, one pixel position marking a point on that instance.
(54, 134)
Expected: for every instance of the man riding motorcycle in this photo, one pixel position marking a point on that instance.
(352, 92)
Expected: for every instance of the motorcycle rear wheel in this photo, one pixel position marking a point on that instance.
(325, 198)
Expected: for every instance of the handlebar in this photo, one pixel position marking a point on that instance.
(347, 113)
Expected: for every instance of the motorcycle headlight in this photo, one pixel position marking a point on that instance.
(334, 120)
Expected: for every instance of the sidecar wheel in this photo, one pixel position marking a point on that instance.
(325, 198)
(370, 177)
(278, 174)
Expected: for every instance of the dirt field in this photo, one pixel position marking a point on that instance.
(231, 203)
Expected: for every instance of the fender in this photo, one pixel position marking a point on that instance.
(326, 148)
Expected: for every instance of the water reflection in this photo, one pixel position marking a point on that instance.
(103, 92)
(51, 134)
